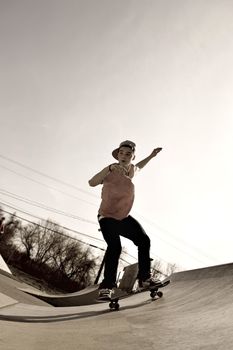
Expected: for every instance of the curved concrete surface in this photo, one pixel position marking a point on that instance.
(6, 301)
(4, 266)
(195, 313)
(11, 287)
(83, 297)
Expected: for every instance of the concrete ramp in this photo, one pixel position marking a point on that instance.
(10, 287)
(3, 266)
(195, 313)
(219, 271)
(86, 296)
(6, 301)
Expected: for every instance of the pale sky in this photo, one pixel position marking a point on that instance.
(79, 77)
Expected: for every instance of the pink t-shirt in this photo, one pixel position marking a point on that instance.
(117, 195)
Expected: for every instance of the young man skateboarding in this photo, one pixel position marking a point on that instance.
(114, 219)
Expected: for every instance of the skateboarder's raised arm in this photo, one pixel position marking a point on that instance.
(143, 162)
(99, 177)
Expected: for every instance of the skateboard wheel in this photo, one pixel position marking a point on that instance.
(153, 294)
(160, 294)
(114, 305)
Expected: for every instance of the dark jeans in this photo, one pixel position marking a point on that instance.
(129, 228)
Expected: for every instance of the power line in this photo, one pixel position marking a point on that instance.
(68, 229)
(43, 206)
(60, 181)
(51, 209)
(71, 215)
(198, 250)
(45, 185)
(63, 227)
(39, 218)
(20, 198)
(183, 251)
(63, 234)
(48, 176)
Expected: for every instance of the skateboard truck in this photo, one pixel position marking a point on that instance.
(156, 292)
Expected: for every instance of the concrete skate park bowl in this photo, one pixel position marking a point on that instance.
(86, 296)
(196, 312)
(3, 265)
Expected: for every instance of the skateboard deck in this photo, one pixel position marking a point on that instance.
(114, 304)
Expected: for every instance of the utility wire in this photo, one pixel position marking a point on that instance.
(48, 176)
(83, 191)
(60, 181)
(63, 227)
(49, 229)
(62, 233)
(186, 244)
(160, 238)
(43, 206)
(36, 217)
(47, 186)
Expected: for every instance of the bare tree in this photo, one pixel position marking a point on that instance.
(48, 237)
(156, 267)
(28, 239)
(39, 241)
(171, 268)
(11, 227)
(72, 260)
(47, 244)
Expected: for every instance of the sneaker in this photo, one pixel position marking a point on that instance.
(149, 283)
(105, 294)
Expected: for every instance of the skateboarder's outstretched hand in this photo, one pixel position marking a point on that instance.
(156, 151)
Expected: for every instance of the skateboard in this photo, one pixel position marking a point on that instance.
(120, 294)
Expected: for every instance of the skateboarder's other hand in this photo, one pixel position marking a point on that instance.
(156, 151)
(118, 168)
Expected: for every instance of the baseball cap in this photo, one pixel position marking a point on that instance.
(126, 143)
